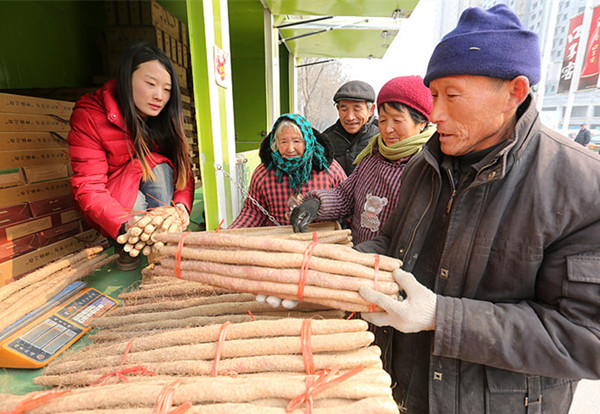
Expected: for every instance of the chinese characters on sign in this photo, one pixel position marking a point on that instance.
(568, 66)
(589, 73)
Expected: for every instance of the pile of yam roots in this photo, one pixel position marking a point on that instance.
(315, 272)
(178, 346)
(36, 288)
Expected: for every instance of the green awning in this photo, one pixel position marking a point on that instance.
(372, 8)
(339, 29)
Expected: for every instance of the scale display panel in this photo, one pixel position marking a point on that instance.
(40, 338)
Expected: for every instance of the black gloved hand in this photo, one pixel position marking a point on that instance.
(304, 214)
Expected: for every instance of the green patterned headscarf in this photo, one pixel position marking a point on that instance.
(298, 169)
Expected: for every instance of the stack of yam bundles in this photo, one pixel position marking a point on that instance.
(325, 274)
(38, 287)
(186, 311)
(263, 366)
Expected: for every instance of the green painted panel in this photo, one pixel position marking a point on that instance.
(248, 72)
(47, 44)
(343, 43)
(284, 79)
(200, 65)
(373, 8)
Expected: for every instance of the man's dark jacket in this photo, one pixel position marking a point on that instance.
(584, 136)
(347, 146)
(518, 279)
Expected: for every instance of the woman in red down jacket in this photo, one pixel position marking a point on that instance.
(128, 148)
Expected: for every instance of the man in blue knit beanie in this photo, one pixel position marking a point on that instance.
(499, 235)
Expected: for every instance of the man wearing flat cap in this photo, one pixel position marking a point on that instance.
(499, 235)
(356, 125)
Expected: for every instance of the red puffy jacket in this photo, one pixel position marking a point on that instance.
(106, 176)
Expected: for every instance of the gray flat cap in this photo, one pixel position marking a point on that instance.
(355, 91)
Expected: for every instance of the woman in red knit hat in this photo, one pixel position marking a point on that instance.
(368, 195)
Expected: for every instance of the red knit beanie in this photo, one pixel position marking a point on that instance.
(408, 90)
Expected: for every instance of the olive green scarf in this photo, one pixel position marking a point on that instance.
(405, 148)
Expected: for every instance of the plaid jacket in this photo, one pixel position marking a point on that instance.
(374, 176)
(273, 195)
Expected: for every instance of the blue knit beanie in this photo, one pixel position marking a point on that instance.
(491, 43)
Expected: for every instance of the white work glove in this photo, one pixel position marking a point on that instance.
(414, 314)
(274, 301)
(185, 217)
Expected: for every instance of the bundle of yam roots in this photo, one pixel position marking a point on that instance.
(322, 273)
(178, 346)
(164, 303)
(36, 288)
(262, 366)
(143, 226)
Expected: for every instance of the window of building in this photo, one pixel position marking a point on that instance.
(549, 109)
(596, 110)
(579, 111)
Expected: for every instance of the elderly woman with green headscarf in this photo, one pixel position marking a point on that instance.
(368, 196)
(295, 159)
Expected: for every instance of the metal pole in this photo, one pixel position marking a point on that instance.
(546, 54)
(299, 22)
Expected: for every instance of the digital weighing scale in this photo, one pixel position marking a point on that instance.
(37, 338)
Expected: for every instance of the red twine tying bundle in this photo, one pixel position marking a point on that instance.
(178, 254)
(120, 373)
(322, 382)
(34, 401)
(306, 346)
(376, 266)
(222, 333)
(308, 252)
(252, 316)
(165, 400)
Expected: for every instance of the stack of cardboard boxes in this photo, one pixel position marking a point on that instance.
(38, 222)
(131, 21)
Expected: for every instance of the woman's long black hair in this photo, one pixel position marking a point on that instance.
(165, 129)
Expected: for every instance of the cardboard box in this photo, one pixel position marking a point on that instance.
(174, 50)
(23, 141)
(110, 12)
(11, 269)
(10, 122)
(39, 173)
(24, 228)
(18, 247)
(119, 38)
(185, 57)
(179, 53)
(20, 104)
(33, 158)
(51, 205)
(186, 99)
(181, 75)
(12, 178)
(183, 36)
(14, 214)
(167, 45)
(31, 192)
(122, 12)
(58, 233)
(153, 14)
(135, 14)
